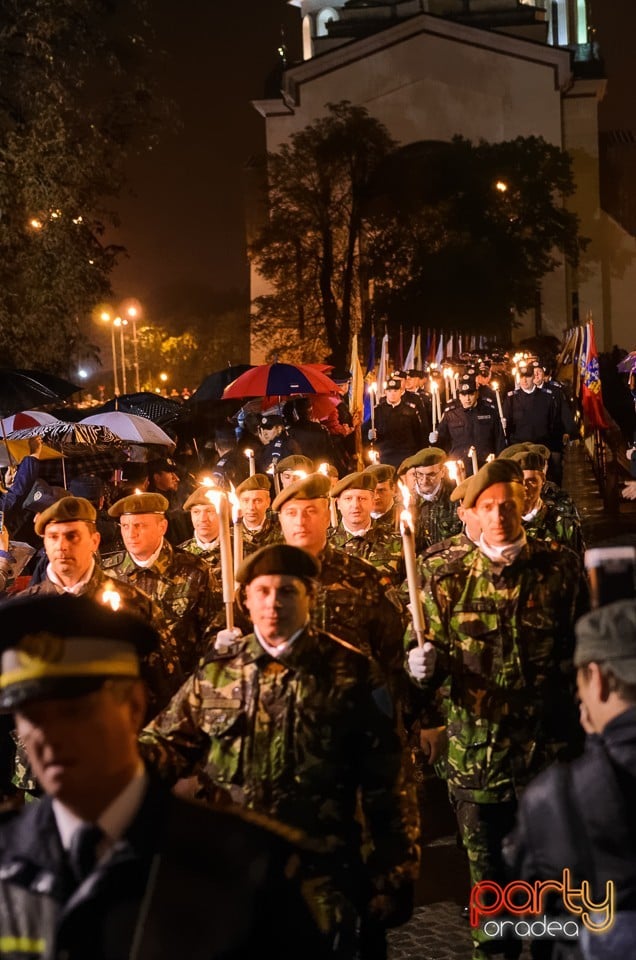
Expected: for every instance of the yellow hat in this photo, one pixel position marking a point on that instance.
(65, 510)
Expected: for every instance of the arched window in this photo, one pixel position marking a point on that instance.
(323, 18)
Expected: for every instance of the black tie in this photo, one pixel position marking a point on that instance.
(83, 851)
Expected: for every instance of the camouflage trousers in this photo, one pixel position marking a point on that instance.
(482, 828)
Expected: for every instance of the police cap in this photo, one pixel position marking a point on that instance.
(313, 487)
(394, 383)
(278, 559)
(139, 503)
(467, 384)
(42, 495)
(59, 645)
(65, 510)
(272, 420)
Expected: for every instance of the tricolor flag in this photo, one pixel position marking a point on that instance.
(591, 393)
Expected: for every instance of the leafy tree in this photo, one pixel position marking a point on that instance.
(460, 235)
(309, 249)
(74, 101)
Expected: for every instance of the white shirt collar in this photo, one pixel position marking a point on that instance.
(281, 648)
(254, 529)
(206, 546)
(356, 533)
(146, 564)
(78, 587)
(534, 387)
(114, 820)
(533, 513)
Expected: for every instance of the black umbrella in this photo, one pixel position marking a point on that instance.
(212, 387)
(63, 388)
(152, 406)
(22, 390)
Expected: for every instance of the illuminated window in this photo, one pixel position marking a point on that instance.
(323, 19)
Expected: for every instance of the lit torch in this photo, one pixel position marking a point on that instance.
(237, 527)
(111, 598)
(452, 471)
(218, 498)
(252, 462)
(333, 512)
(408, 545)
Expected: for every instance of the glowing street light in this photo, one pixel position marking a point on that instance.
(119, 322)
(106, 317)
(132, 310)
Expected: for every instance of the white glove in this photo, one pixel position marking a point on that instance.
(225, 639)
(504, 424)
(422, 661)
(373, 435)
(629, 490)
(432, 437)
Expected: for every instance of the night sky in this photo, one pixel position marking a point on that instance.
(183, 220)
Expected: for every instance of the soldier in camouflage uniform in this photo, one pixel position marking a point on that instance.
(205, 522)
(260, 528)
(358, 534)
(436, 515)
(545, 520)
(386, 512)
(551, 493)
(182, 585)
(293, 468)
(501, 621)
(355, 601)
(296, 724)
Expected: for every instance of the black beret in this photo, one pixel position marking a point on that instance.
(496, 471)
(63, 646)
(313, 487)
(65, 510)
(355, 481)
(278, 558)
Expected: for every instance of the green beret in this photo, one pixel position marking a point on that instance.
(460, 490)
(278, 558)
(541, 449)
(65, 511)
(199, 498)
(528, 460)
(295, 462)
(258, 481)
(497, 471)
(139, 503)
(354, 481)
(313, 487)
(428, 457)
(513, 449)
(381, 471)
(60, 645)
(608, 635)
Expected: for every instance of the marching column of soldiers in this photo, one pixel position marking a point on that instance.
(299, 710)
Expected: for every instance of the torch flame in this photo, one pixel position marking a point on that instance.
(215, 496)
(111, 598)
(406, 520)
(234, 500)
(207, 482)
(248, 453)
(137, 490)
(324, 469)
(451, 469)
(494, 384)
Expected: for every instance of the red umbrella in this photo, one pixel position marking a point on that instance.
(279, 380)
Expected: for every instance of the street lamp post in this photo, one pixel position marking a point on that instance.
(118, 322)
(106, 317)
(132, 313)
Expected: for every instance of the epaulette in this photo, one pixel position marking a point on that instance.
(113, 560)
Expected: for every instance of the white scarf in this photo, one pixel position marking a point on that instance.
(507, 553)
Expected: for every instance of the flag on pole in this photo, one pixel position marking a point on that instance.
(400, 358)
(409, 362)
(371, 360)
(383, 366)
(356, 394)
(418, 350)
(449, 348)
(591, 393)
(432, 347)
(439, 356)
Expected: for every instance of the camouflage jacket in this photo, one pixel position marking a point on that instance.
(270, 532)
(301, 738)
(555, 495)
(436, 519)
(211, 557)
(359, 604)
(189, 596)
(389, 520)
(380, 546)
(551, 523)
(505, 641)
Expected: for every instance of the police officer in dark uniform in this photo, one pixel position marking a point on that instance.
(472, 420)
(414, 392)
(276, 443)
(109, 864)
(398, 427)
(531, 414)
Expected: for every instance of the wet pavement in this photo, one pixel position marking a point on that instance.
(438, 931)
